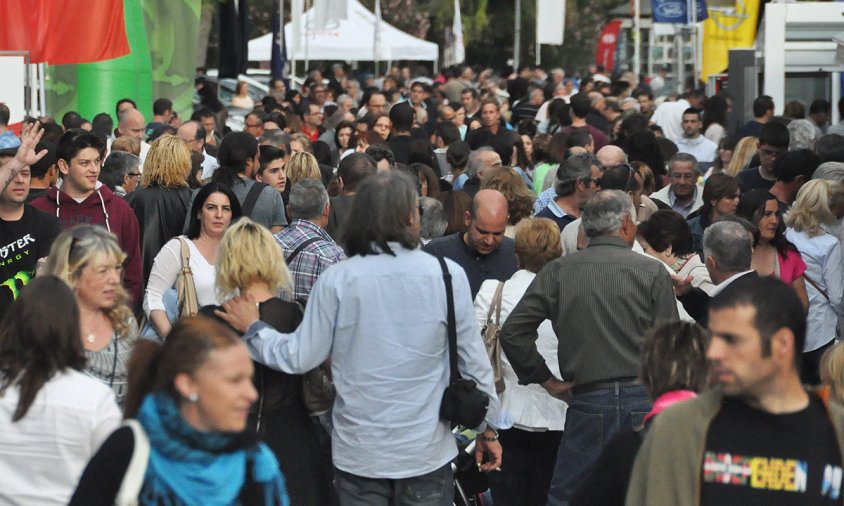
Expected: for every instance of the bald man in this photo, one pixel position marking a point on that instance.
(131, 123)
(483, 251)
(611, 156)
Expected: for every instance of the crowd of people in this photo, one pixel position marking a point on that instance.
(647, 298)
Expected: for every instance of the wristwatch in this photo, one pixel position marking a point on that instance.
(488, 439)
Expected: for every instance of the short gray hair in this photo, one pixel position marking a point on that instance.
(802, 134)
(433, 219)
(276, 138)
(475, 161)
(831, 171)
(729, 244)
(683, 158)
(573, 169)
(605, 211)
(307, 200)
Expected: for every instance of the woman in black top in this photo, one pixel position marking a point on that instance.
(252, 265)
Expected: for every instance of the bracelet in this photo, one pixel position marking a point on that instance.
(488, 439)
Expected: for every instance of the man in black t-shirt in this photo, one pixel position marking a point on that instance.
(26, 234)
(759, 439)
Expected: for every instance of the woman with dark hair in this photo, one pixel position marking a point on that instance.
(190, 398)
(715, 118)
(674, 369)
(773, 255)
(429, 185)
(457, 156)
(726, 147)
(643, 147)
(345, 138)
(667, 237)
(43, 389)
(542, 159)
(721, 196)
(214, 208)
(239, 159)
(455, 205)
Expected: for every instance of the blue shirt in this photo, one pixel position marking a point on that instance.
(545, 198)
(382, 319)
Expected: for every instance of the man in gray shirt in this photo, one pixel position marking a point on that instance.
(600, 301)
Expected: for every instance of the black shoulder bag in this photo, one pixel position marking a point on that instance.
(462, 402)
(252, 198)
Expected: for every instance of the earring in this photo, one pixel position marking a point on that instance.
(193, 397)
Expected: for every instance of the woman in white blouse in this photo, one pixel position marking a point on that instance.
(213, 209)
(531, 445)
(53, 417)
(818, 205)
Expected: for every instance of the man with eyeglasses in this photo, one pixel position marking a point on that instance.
(26, 233)
(772, 144)
(121, 172)
(312, 122)
(254, 124)
(683, 193)
(578, 178)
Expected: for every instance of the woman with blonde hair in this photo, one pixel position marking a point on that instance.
(163, 201)
(89, 259)
(300, 143)
(519, 197)
(241, 98)
(742, 154)
(832, 373)
(532, 444)
(252, 265)
(302, 166)
(818, 206)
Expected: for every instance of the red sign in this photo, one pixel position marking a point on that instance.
(608, 44)
(66, 31)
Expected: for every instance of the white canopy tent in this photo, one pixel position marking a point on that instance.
(351, 39)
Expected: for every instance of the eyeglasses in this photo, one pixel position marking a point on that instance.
(134, 174)
(253, 125)
(683, 177)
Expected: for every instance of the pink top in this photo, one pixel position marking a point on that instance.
(791, 266)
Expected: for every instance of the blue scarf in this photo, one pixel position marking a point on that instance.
(187, 466)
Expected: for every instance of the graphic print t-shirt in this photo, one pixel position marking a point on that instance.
(22, 243)
(756, 458)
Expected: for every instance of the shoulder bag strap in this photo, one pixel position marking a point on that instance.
(818, 288)
(496, 305)
(252, 198)
(300, 248)
(452, 327)
(133, 480)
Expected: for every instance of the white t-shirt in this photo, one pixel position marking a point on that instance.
(166, 268)
(43, 455)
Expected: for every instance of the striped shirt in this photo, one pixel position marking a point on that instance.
(311, 261)
(600, 301)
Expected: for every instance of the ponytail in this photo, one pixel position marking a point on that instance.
(143, 369)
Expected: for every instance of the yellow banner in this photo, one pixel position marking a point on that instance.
(731, 24)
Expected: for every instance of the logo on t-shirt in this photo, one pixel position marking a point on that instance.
(767, 473)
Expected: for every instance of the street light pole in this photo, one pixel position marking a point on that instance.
(517, 36)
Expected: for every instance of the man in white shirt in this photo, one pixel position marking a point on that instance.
(683, 194)
(669, 115)
(692, 142)
(194, 134)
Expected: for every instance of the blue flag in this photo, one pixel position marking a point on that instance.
(278, 60)
(676, 11)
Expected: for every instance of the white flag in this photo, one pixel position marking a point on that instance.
(376, 50)
(457, 31)
(550, 21)
(297, 6)
(328, 12)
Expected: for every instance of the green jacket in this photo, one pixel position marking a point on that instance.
(668, 466)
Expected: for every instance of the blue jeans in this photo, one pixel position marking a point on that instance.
(433, 489)
(592, 420)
